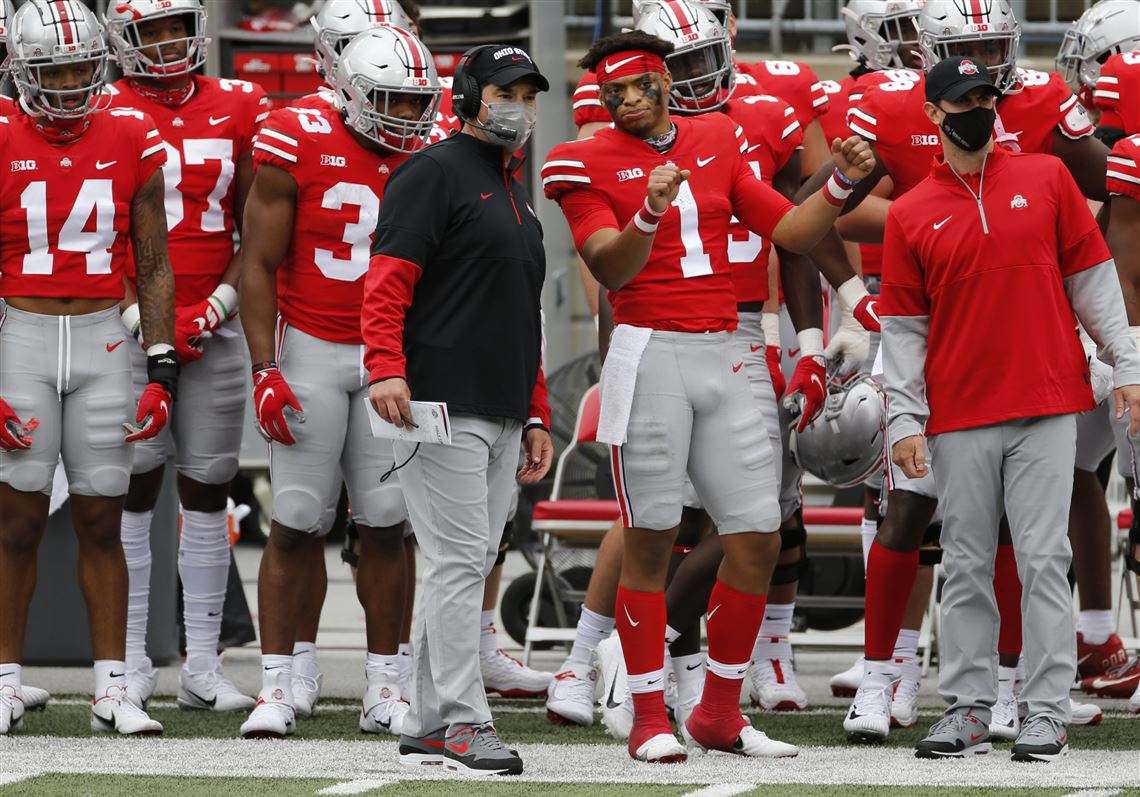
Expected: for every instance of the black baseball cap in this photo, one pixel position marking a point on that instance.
(502, 65)
(952, 78)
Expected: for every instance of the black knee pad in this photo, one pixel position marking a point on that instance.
(351, 535)
(789, 573)
(792, 537)
(930, 552)
(505, 542)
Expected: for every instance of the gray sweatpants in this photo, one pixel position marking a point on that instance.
(458, 497)
(1026, 468)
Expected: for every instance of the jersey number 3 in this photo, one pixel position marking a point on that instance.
(357, 235)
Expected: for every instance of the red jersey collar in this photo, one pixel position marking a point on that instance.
(941, 170)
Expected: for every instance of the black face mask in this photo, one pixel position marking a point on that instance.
(971, 130)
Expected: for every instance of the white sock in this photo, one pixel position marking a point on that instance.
(381, 669)
(879, 673)
(1096, 625)
(108, 673)
(772, 641)
(592, 629)
(1006, 678)
(203, 566)
(135, 532)
(10, 676)
(690, 676)
(275, 666)
(867, 530)
(305, 659)
(488, 644)
(906, 646)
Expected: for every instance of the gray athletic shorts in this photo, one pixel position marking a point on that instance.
(694, 411)
(206, 426)
(73, 374)
(331, 384)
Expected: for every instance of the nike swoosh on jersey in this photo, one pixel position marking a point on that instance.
(618, 64)
(938, 225)
(702, 162)
(215, 122)
(100, 166)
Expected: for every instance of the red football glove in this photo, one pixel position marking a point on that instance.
(867, 314)
(15, 435)
(271, 395)
(807, 392)
(188, 334)
(152, 416)
(779, 384)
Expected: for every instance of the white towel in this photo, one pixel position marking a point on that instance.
(619, 376)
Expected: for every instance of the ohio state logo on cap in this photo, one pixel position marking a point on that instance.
(968, 68)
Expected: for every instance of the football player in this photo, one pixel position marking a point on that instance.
(86, 185)
(673, 298)
(208, 126)
(314, 204)
(7, 104)
(1040, 114)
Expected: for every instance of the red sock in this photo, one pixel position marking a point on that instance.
(733, 622)
(890, 579)
(640, 621)
(1007, 591)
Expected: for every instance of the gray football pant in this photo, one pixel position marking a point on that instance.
(1026, 467)
(458, 497)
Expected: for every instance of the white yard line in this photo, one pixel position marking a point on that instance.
(1094, 793)
(723, 790)
(341, 760)
(356, 786)
(8, 778)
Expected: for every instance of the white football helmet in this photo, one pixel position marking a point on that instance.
(123, 19)
(878, 29)
(983, 29)
(1107, 28)
(701, 63)
(373, 68)
(846, 443)
(338, 21)
(6, 12)
(51, 33)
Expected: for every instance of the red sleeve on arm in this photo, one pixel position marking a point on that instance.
(539, 406)
(904, 284)
(1079, 238)
(758, 206)
(388, 289)
(586, 212)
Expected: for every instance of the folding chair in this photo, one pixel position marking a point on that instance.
(566, 523)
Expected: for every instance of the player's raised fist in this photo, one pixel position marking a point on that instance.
(853, 157)
(664, 183)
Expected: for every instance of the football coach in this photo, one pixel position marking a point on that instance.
(988, 266)
(452, 314)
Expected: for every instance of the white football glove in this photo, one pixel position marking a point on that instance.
(849, 346)
(1100, 374)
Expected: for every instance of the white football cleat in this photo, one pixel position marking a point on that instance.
(611, 672)
(660, 749)
(846, 683)
(382, 710)
(142, 680)
(1004, 722)
(869, 719)
(272, 716)
(306, 693)
(113, 712)
(774, 685)
(509, 677)
(35, 699)
(570, 696)
(618, 721)
(750, 742)
(904, 702)
(210, 691)
(11, 710)
(1084, 713)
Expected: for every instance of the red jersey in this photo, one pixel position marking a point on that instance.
(886, 109)
(1117, 93)
(8, 106)
(65, 211)
(320, 100)
(446, 122)
(686, 285)
(320, 284)
(794, 82)
(989, 274)
(586, 103)
(773, 134)
(1027, 118)
(205, 137)
(1123, 173)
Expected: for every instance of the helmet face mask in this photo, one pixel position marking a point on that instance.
(701, 65)
(130, 29)
(380, 74)
(878, 31)
(60, 79)
(339, 21)
(6, 13)
(949, 28)
(1107, 28)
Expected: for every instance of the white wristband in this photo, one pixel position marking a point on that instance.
(770, 325)
(835, 192)
(159, 348)
(132, 320)
(852, 292)
(811, 342)
(227, 297)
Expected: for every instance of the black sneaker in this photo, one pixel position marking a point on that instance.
(1042, 738)
(477, 750)
(423, 750)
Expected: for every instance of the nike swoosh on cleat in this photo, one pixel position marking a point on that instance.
(211, 702)
(610, 698)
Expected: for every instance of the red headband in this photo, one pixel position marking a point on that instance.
(626, 63)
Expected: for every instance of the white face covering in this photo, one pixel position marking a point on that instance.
(509, 124)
